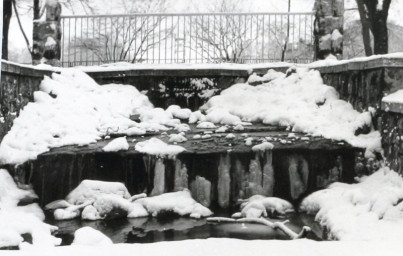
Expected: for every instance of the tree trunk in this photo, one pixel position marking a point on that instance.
(7, 13)
(37, 9)
(380, 32)
(365, 23)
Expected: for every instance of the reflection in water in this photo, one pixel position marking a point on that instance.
(147, 230)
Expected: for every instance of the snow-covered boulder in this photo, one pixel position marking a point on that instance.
(257, 206)
(117, 144)
(88, 236)
(90, 190)
(180, 202)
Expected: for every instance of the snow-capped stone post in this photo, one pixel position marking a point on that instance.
(328, 28)
(47, 35)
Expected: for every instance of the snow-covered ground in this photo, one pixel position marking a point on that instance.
(224, 247)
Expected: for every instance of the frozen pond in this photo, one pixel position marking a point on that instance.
(171, 228)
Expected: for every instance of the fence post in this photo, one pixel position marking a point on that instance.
(47, 35)
(328, 28)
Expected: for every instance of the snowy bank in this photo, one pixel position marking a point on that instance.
(370, 210)
(16, 221)
(70, 108)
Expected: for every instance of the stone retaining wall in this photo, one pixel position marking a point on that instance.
(362, 82)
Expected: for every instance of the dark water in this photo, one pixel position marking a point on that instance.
(148, 230)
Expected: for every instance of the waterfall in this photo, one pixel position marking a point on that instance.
(159, 178)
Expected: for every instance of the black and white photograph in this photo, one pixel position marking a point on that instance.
(201, 127)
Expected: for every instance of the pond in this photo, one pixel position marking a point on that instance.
(148, 230)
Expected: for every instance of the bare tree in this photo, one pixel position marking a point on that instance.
(220, 37)
(7, 13)
(374, 15)
(125, 38)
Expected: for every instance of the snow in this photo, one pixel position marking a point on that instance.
(70, 108)
(180, 202)
(225, 246)
(95, 200)
(178, 112)
(206, 125)
(18, 220)
(157, 147)
(177, 138)
(396, 97)
(370, 210)
(300, 101)
(117, 144)
(89, 190)
(88, 236)
(259, 206)
(263, 147)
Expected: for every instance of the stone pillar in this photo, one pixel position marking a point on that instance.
(47, 35)
(328, 28)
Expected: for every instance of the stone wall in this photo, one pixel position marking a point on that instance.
(361, 82)
(328, 28)
(391, 127)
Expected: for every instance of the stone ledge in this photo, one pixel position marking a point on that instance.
(392, 107)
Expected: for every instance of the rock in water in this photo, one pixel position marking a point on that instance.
(224, 181)
(181, 176)
(159, 178)
(201, 191)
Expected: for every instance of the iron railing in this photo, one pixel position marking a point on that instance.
(187, 38)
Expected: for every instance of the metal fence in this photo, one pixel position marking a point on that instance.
(187, 38)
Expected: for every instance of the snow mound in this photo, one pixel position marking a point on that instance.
(18, 220)
(157, 147)
(177, 138)
(264, 146)
(260, 206)
(89, 190)
(90, 237)
(180, 202)
(370, 210)
(300, 101)
(70, 108)
(116, 145)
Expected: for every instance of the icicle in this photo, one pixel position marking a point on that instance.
(224, 181)
(298, 173)
(159, 178)
(201, 191)
(253, 185)
(181, 176)
(268, 174)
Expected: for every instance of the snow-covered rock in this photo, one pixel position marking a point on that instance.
(90, 190)
(88, 236)
(117, 144)
(157, 147)
(258, 206)
(180, 202)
